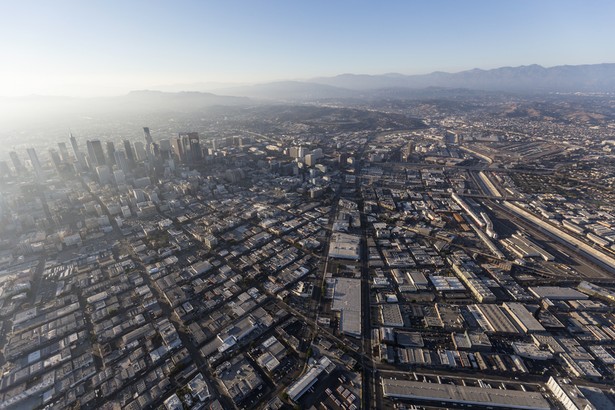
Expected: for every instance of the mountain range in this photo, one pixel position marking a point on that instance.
(592, 78)
(359, 88)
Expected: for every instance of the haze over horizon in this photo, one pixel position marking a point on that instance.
(72, 48)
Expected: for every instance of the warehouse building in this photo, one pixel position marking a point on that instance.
(523, 318)
(475, 396)
(347, 301)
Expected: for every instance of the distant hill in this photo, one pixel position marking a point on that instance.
(291, 90)
(524, 79)
(532, 78)
(178, 101)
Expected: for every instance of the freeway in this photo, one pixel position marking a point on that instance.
(577, 246)
(583, 264)
(589, 257)
(423, 165)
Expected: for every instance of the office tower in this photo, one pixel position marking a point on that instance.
(165, 145)
(150, 147)
(55, 159)
(73, 143)
(91, 153)
(191, 146)
(310, 160)
(110, 153)
(148, 136)
(177, 149)
(165, 149)
(130, 155)
(121, 161)
(104, 174)
(38, 170)
(156, 150)
(297, 152)
(140, 153)
(5, 171)
(63, 152)
(19, 168)
(78, 154)
(96, 153)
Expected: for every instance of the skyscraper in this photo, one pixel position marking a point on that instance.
(148, 136)
(165, 149)
(96, 153)
(38, 170)
(140, 152)
(73, 143)
(130, 155)
(5, 171)
(149, 146)
(110, 153)
(177, 148)
(55, 159)
(63, 152)
(121, 161)
(78, 154)
(191, 146)
(19, 168)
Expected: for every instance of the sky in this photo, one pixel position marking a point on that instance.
(109, 47)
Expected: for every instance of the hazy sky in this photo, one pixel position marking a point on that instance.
(110, 47)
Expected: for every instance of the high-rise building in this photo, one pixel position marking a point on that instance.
(73, 143)
(150, 147)
(297, 152)
(63, 152)
(19, 168)
(191, 146)
(110, 153)
(78, 154)
(36, 165)
(140, 152)
(96, 153)
(121, 161)
(148, 136)
(5, 171)
(104, 174)
(177, 149)
(130, 155)
(55, 159)
(165, 149)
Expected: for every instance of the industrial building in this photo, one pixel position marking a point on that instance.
(597, 291)
(390, 315)
(570, 397)
(347, 300)
(492, 319)
(344, 246)
(523, 318)
(446, 283)
(556, 293)
(296, 390)
(475, 396)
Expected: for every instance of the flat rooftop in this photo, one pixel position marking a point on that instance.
(523, 317)
(344, 246)
(347, 300)
(557, 293)
(512, 399)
